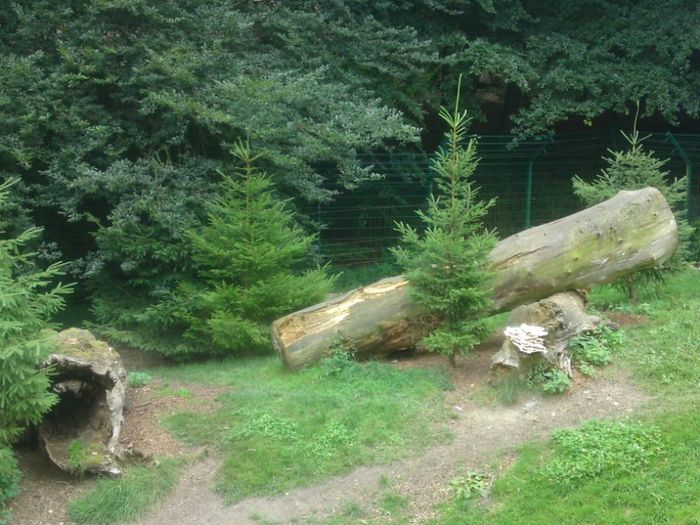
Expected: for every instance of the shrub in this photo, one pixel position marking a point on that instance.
(9, 479)
(446, 264)
(251, 261)
(27, 301)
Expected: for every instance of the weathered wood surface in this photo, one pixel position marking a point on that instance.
(561, 316)
(631, 231)
(81, 432)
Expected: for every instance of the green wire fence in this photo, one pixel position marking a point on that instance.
(531, 181)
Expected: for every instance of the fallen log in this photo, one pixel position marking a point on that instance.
(543, 330)
(81, 432)
(631, 231)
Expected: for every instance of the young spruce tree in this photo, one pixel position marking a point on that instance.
(252, 259)
(446, 265)
(27, 302)
(634, 169)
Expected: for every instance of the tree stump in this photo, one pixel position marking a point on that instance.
(543, 330)
(81, 432)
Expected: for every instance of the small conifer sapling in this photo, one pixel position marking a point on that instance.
(252, 259)
(446, 264)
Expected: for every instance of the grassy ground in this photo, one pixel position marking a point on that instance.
(116, 501)
(279, 430)
(612, 473)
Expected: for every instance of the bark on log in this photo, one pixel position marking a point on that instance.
(81, 432)
(561, 317)
(631, 231)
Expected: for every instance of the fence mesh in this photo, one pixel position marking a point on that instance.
(530, 180)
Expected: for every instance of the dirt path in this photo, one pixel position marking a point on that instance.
(481, 433)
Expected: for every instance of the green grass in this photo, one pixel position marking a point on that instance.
(278, 430)
(127, 498)
(623, 486)
(607, 473)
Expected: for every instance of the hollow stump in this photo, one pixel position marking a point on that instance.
(81, 432)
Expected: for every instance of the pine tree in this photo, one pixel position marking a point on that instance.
(633, 169)
(27, 301)
(252, 259)
(446, 265)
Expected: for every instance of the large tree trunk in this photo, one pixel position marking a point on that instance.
(631, 231)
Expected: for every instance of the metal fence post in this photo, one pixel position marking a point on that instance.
(528, 186)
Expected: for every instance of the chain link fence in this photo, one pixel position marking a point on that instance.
(531, 181)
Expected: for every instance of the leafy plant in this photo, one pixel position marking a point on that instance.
(555, 382)
(138, 379)
(446, 264)
(595, 348)
(340, 358)
(472, 484)
(598, 447)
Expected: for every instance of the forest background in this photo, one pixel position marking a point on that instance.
(118, 115)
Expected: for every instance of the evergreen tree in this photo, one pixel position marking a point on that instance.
(446, 265)
(27, 301)
(250, 259)
(634, 169)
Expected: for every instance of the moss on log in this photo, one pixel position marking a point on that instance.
(629, 232)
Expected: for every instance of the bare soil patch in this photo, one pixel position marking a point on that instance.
(46, 490)
(625, 319)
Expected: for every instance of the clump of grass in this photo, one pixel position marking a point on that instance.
(138, 379)
(127, 498)
(599, 447)
(279, 430)
(509, 389)
(84, 456)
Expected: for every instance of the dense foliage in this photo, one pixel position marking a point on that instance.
(446, 264)
(27, 301)
(250, 265)
(634, 169)
(116, 114)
